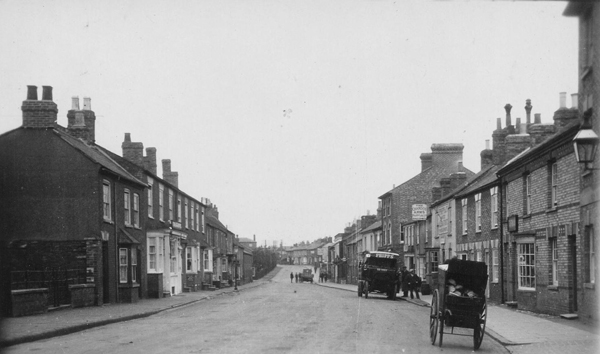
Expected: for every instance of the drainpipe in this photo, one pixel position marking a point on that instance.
(501, 207)
(114, 210)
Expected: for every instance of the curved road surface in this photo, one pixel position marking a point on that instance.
(278, 317)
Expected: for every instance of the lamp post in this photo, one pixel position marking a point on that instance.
(235, 263)
(586, 142)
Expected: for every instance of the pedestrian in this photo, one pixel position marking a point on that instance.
(405, 275)
(291, 277)
(414, 284)
(296, 277)
(320, 277)
(326, 277)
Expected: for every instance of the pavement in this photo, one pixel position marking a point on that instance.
(518, 331)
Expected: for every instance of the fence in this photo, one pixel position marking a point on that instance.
(56, 280)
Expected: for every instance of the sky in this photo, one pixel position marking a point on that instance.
(293, 117)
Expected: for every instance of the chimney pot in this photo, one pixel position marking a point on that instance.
(460, 166)
(528, 108)
(47, 93)
(32, 93)
(499, 124)
(538, 118)
(75, 103)
(127, 137)
(507, 108)
(487, 144)
(575, 100)
(87, 104)
(518, 123)
(563, 99)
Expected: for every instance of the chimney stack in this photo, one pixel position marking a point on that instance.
(426, 161)
(507, 108)
(538, 118)
(487, 156)
(528, 108)
(169, 176)
(574, 101)
(564, 115)
(150, 160)
(82, 123)
(39, 114)
(133, 152)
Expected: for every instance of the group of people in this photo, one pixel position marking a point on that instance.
(322, 277)
(292, 276)
(410, 282)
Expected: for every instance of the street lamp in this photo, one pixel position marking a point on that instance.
(586, 142)
(235, 263)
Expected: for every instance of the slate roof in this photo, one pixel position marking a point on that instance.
(97, 155)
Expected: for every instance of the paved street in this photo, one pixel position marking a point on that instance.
(274, 318)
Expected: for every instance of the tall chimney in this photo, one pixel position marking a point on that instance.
(133, 152)
(150, 160)
(518, 126)
(528, 108)
(39, 114)
(538, 118)
(82, 123)
(507, 108)
(168, 175)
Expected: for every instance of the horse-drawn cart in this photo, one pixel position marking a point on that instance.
(459, 300)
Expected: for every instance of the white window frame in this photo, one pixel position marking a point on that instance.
(186, 211)
(526, 265)
(465, 224)
(150, 197)
(554, 260)
(179, 215)
(189, 259)
(494, 265)
(161, 202)
(208, 261)
(123, 265)
(202, 223)
(127, 207)
(528, 194)
(152, 254)
(478, 212)
(136, 210)
(197, 221)
(494, 201)
(554, 186)
(106, 200)
(133, 265)
(170, 206)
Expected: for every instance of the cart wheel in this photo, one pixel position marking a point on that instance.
(480, 328)
(360, 289)
(442, 319)
(434, 317)
(366, 289)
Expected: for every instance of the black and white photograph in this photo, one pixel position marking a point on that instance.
(299, 176)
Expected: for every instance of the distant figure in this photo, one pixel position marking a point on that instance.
(291, 277)
(414, 283)
(404, 281)
(320, 277)
(296, 277)
(325, 276)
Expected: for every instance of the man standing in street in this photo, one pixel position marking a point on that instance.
(291, 277)
(405, 275)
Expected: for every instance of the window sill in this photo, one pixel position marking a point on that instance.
(589, 286)
(526, 290)
(553, 287)
(109, 221)
(150, 217)
(527, 216)
(128, 285)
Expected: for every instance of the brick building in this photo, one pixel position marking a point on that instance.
(176, 241)
(68, 206)
(589, 92)
(397, 204)
(540, 210)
